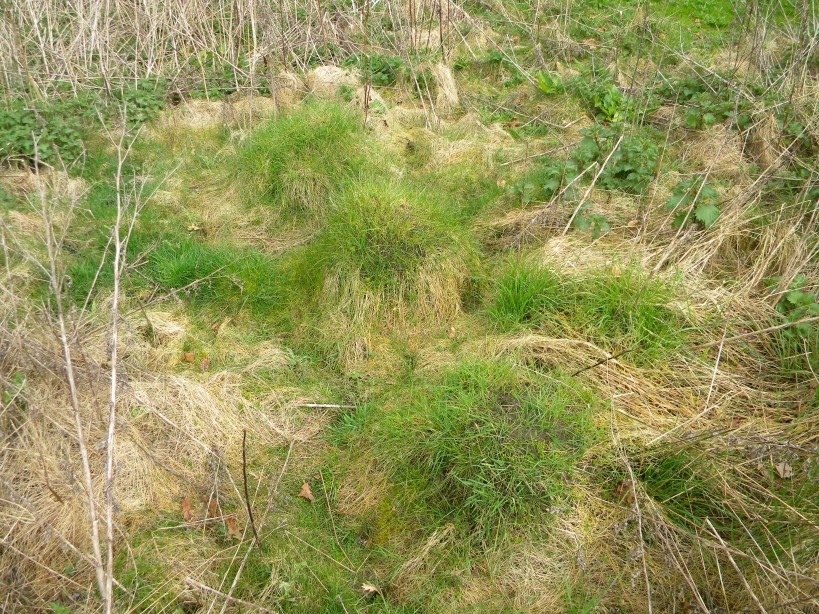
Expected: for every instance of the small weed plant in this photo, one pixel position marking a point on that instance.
(694, 201)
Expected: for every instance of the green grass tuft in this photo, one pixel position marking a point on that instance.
(297, 161)
(488, 444)
(383, 232)
(623, 310)
(628, 310)
(385, 251)
(524, 293)
(231, 278)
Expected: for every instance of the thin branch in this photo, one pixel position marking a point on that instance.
(247, 496)
(236, 600)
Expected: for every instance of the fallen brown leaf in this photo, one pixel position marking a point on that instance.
(213, 510)
(624, 491)
(187, 514)
(784, 470)
(233, 529)
(306, 492)
(188, 356)
(204, 364)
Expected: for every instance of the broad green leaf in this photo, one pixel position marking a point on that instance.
(707, 214)
(582, 223)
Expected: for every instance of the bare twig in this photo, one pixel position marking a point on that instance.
(120, 247)
(236, 600)
(247, 496)
(325, 406)
(55, 283)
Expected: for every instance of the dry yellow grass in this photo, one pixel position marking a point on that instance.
(180, 422)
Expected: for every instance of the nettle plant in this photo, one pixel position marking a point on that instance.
(381, 70)
(142, 99)
(797, 304)
(629, 168)
(51, 129)
(43, 129)
(707, 102)
(694, 201)
(544, 183)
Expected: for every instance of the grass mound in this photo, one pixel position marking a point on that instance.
(297, 161)
(622, 310)
(386, 254)
(490, 444)
(384, 233)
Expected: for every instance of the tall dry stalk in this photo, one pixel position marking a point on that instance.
(56, 282)
(120, 248)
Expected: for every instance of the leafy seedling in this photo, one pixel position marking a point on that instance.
(693, 200)
(549, 83)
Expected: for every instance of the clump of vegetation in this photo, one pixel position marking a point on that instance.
(488, 445)
(381, 232)
(626, 162)
(384, 249)
(693, 200)
(549, 83)
(603, 99)
(798, 345)
(379, 70)
(524, 293)
(142, 100)
(44, 130)
(632, 160)
(217, 275)
(623, 311)
(628, 309)
(707, 101)
(681, 484)
(297, 162)
(54, 129)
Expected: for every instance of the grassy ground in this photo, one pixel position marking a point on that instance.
(534, 331)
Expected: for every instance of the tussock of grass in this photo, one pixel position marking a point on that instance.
(384, 233)
(621, 311)
(488, 444)
(218, 275)
(386, 254)
(297, 161)
(524, 293)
